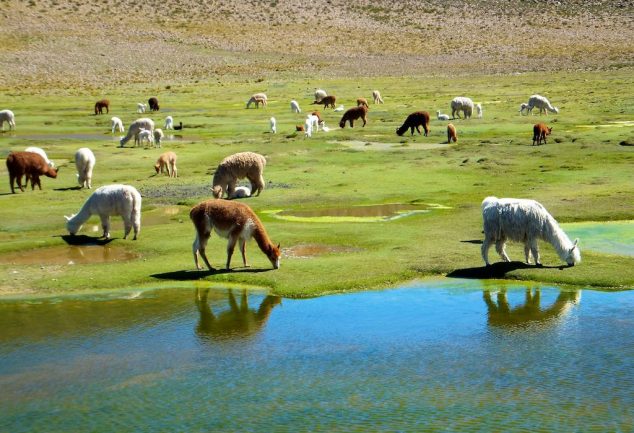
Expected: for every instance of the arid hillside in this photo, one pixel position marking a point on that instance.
(87, 43)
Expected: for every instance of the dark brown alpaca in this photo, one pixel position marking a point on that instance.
(100, 105)
(28, 164)
(153, 104)
(354, 113)
(540, 131)
(415, 120)
(328, 101)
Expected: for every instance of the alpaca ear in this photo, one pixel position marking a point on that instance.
(278, 245)
(576, 242)
(67, 218)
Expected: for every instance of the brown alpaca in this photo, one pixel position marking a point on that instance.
(540, 131)
(451, 133)
(100, 105)
(299, 128)
(415, 120)
(354, 113)
(167, 163)
(234, 221)
(28, 164)
(153, 104)
(328, 101)
(362, 101)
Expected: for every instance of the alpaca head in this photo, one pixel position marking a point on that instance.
(217, 191)
(72, 227)
(555, 110)
(274, 254)
(574, 255)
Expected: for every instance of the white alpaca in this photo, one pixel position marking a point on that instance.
(256, 99)
(478, 108)
(85, 163)
(526, 221)
(461, 103)
(106, 201)
(273, 124)
(320, 94)
(376, 95)
(40, 152)
(140, 107)
(135, 128)
(308, 127)
(115, 123)
(442, 116)
(314, 121)
(339, 108)
(169, 123)
(9, 117)
(295, 107)
(158, 137)
(542, 103)
(143, 135)
(523, 106)
(241, 192)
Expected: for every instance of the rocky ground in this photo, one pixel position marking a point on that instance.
(88, 44)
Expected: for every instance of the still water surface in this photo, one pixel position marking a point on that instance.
(444, 356)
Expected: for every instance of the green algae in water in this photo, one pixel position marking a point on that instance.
(614, 237)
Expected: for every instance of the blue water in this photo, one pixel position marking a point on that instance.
(444, 356)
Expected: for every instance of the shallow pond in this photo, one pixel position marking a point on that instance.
(615, 237)
(366, 213)
(449, 355)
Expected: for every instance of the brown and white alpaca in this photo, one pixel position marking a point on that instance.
(166, 163)
(328, 101)
(234, 221)
(29, 164)
(257, 99)
(362, 101)
(415, 120)
(540, 131)
(100, 105)
(360, 112)
(376, 95)
(235, 167)
(451, 133)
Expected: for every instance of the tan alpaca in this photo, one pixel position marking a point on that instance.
(451, 133)
(362, 101)
(166, 163)
(234, 221)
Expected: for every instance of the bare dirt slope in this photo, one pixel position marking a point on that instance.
(90, 43)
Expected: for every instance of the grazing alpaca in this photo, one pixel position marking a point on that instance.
(451, 133)
(106, 201)
(135, 128)
(376, 95)
(320, 94)
(143, 135)
(153, 104)
(295, 107)
(461, 103)
(362, 101)
(478, 108)
(158, 137)
(238, 166)
(85, 163)
(29, 164)
(100, 105)
(360, 112)
(257, 98)
(327, 101)
(9, 117)
(523, 106)
(241, 192)
(542, 103)
(167, 163)
(234, 221)
(415, 120)
(442, 116)
(115, 123)
(526, 221)
(540, 131)
(40, 152)
(273, 125)
(169, 123)
(140, 107)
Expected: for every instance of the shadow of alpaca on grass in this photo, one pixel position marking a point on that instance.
(188, 275)
(496, 270)
(85, 240)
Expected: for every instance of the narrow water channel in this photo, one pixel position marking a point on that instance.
(441, 356)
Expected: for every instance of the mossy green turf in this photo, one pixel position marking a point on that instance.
(583, 173)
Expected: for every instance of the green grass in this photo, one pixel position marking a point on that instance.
(582, 174)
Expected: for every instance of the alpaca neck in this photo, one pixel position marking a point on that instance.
(262, 239)
(559, 240)
(82, 216)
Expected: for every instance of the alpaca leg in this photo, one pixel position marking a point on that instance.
(127, 227)
(35, 180)
(500, 248)
(174, 170)
(200, 243)
(231, 187)
(486, 244)
(105, 224)
(243, 250)
(527, 252)
(231, 245)
(535, 252)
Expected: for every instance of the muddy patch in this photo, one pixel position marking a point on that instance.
(367, 213)
(70, 255)
(379, 146)
(307, 251)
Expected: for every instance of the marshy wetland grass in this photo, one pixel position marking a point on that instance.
(584, 173)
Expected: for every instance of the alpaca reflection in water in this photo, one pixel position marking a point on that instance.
(236, 322)
(501, 313)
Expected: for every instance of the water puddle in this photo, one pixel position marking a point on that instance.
(306, 251)
(70, 255)
(613, 237)
(366, 213)
(164, 215)
(614, 124)
(375, 145)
